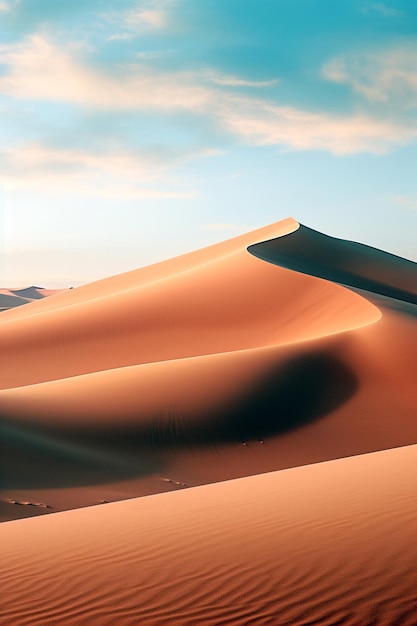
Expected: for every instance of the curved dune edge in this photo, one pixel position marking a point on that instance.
(346, 262)
(179, 374)
(231, 302)
(328, 543)
(159, 271)
(196, 391)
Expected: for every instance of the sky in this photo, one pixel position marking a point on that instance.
(135, 131)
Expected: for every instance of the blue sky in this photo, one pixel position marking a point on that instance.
(135, 131)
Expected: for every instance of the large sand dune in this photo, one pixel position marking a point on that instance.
(277, 349)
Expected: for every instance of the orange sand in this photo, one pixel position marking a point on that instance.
(331, 543)
(277, 349)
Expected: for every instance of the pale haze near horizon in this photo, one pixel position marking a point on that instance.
(135, 131)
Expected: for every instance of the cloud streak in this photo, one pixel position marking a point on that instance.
(234, 81)
(145, 16)
(406, 202)
(260, 123)
(7, 7)
(380, 75)
(113, 174)
(381, 9)
(39, 70)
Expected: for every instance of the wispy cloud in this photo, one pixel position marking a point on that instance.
(150, 55)
(147, 15)
(39, 70)
(8, 6)
(406, 202)
(262, 123)
(120, 37)
(120, 174)
(380, 8)
(234, 81)
(379, 75)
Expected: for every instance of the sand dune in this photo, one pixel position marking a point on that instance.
(215, 301)
(11, 298)
(282, 348)
(157, 378)
(346, 262)
(332, 543)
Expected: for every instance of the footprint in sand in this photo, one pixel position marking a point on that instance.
(41, 505)
(174, 482)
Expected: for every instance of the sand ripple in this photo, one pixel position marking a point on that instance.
(328, 543)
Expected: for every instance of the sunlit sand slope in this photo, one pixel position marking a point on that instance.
(212, 366)
(218, 300)
(332, 543)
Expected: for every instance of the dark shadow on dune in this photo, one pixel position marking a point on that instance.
(303, 390)
(29, 292)
(307, 388)
(9, 302)
(344, 262)
(287, 397)
(385, 302)
(34, 460)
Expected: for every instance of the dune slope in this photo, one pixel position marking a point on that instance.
(347, 262)
(331, 543)
(215, 365)
(11, 298)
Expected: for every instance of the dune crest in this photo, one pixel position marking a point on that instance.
(218, 364)
(346, 262)
(214, 301)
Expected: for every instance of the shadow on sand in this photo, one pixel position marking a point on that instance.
(289, 396)
(345, 262)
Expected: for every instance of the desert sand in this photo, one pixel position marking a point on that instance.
(248, 410)
(11, 298)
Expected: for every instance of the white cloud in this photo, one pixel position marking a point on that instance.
(146, 15)
(148, 18)
(406, 202)
(120, 37)
(262, 123)
(148, 55)
(35, 158)
(381, 9)
(233, 81)
(117, 174)
(7, 6)
(39, 70)
(380, 75)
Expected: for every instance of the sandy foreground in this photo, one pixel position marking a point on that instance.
(280, 367)
(330, 543)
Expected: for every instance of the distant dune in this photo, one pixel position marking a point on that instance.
(281, 348)
(11, 298)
